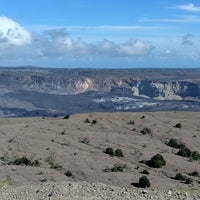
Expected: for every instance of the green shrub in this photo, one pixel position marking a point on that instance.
(145, 171)
(146, 131)
(131, 122)
(94, 121)
(175, 144)
(178, 125)
(22, 161)
(118, 168)
(85, 140)
(87, 121)
(188, 180)
(144, 182)
(156, 161)
(185, 152)
(119, 153)
(194, 173)
(180, 177)
(109, 151)
(195, 155)
(25, 161)
(68, 173)
(35, 163)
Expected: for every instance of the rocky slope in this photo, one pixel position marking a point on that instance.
(77, 144)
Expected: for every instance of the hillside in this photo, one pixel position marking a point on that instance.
(77, 144)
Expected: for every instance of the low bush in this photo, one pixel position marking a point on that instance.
(175, 144)
(182, 177)
(94, 121)
(156, 161)
(145, 171)
(87, 121)
(144, 182)
(194, 173)
(195, 155)
(178, 125)
(68, 173)
(66, 117)
(146, 131)
(185, 152)
(109, 151)
(25, 161)
(188, 180)
(85, 140)
(116, 168)
(119, 153)
(131, 122)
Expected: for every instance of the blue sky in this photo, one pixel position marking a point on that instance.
(94, 33)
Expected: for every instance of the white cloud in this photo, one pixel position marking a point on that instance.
(177, 19)
(189, 7)
(57, 42)
(135, 47)
(12, 33)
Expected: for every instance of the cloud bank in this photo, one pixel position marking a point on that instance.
(58, 43)
(12, 33)
(56, 47)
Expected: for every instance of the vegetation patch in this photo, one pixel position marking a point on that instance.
(145, 171)
(24, 161)
(194, 173)
(116, 168)
(184, 178)
(183, 150)
(175, 144)
(186, 152)
(156, 161)
(94, 121)
(68, 173)
(146, 131)
(85, 140)
(178, 125)
(86, 121)
(131, 122)
(144, 182)
(66, 117)
(111, 152)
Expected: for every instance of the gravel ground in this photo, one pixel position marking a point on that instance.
(88, 191)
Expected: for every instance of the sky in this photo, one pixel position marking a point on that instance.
(100, 33)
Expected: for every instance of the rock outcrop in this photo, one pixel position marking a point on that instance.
(159, 84)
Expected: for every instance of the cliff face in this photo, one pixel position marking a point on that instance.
(170, 90)
(156, 84)
(173, 90)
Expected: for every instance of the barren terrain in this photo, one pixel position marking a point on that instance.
(78, 143)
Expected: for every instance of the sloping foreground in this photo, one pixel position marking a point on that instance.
(89, 191)
(47, 151)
